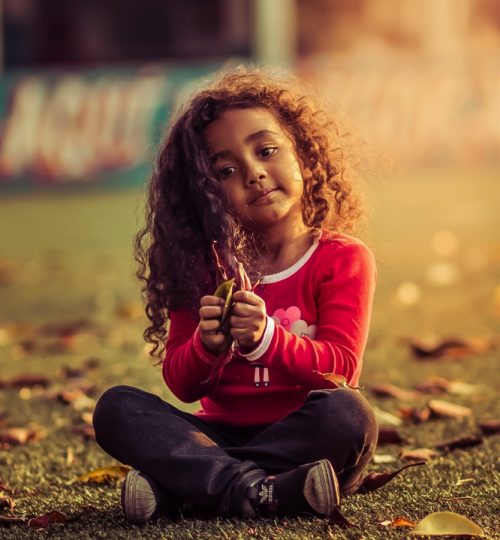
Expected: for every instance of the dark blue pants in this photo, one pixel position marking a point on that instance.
(199, 461)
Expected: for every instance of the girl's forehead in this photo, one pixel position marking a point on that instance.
(242, 123)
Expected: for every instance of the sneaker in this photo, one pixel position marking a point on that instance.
(142, 498)
(309, 489)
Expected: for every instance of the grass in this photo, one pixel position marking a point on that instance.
(68, 257)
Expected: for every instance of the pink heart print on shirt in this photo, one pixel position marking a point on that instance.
(290, 320)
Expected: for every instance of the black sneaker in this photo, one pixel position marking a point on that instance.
(143, 499)
(309, 489)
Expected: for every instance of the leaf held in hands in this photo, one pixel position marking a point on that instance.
(225, 291)
(374, 480)
(446, 524)
(42, 522)
(338, 380)
(104, 475)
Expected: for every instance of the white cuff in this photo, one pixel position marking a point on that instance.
(264, 344)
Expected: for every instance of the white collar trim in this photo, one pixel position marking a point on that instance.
(273, 278)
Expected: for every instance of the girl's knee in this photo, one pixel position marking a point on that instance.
(346, 411)
(113, 404)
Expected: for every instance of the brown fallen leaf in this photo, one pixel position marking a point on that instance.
(399, 521)
(337, 380)
(490, 427)
(455, 499)
(15, 436)
(42, 522)
(446, 409)
(6, 502)
(104, 475)
(419, 454)
(389, 435)
(416, 414)
(453, 348)
(439, 385)
(446, 524)
(11, 520)
(25, 381)
(466, 441)
(376, 480)
(391, 390)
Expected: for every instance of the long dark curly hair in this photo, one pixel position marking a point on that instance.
(187, 210)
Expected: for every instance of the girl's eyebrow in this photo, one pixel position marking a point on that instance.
(248, 138)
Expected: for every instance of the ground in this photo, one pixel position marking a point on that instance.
(68, 295)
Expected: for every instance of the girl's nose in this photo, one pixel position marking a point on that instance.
(254, 176)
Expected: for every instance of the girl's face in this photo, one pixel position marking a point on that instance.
(256, 163)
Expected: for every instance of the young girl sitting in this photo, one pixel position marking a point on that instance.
(248, 185)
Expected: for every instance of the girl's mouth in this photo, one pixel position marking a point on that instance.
(264, 197)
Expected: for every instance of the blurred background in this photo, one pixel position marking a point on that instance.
(87, 89)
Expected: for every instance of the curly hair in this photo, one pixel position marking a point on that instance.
(186, 207)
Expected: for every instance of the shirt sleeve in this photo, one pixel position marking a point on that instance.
(189, 369)
(344, 297)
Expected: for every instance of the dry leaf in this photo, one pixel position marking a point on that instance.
(15, 436)
(225, 291)
(466, 441)
(6, 502)
(11, 520)
(338, 380)
(42, 522)
(399, 521)
(419, 454)
(376, 480)
(391, 390)
(25, 381)
(104, 475)
(389, 435)
(437, 385)
(383, 458)
(446, 524)
(384, 417)
(417, 414)
(490, 427)
(448, 410)
(450, 348)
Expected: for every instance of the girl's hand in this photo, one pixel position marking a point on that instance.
(210, 328)
(248, 318)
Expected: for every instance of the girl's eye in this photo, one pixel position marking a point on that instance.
(268, 151)
(226, 172)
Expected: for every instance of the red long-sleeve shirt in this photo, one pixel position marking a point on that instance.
(318, 318)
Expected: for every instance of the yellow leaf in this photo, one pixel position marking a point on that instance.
(447, 524)
(225, 291)
(104, 475)
(338, 380)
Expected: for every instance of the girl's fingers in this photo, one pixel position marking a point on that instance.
(210, 312)
(211, 300)
(247, 297)
(209, 325)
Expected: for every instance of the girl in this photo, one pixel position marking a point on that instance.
(249, 178)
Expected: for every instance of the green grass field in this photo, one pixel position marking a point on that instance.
(66, 258)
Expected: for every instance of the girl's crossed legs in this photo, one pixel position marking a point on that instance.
(199, 461)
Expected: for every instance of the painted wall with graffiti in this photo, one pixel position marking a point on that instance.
(86, 127)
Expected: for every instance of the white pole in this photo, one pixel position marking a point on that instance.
(275, 37)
